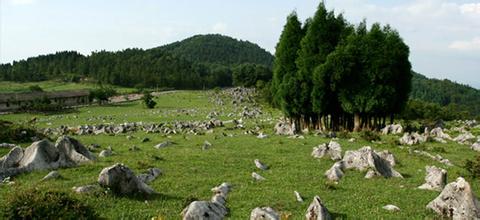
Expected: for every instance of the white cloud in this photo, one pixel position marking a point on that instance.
(220, 27)
(22, 2)
(471, 8)
(473, 44)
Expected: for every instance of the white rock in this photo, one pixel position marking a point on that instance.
(391, 208)
(260, 165)
(436, 179)
(298, 196)
(332, 149)
(121, 180)
(209, 210)
(317, 211)
(257, 177)
(265, 213)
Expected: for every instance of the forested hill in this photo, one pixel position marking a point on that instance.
(219, 49)
(446, 93)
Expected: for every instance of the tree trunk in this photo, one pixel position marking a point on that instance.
(356, 121)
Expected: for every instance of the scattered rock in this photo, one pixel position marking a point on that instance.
(260, 165)
(87, 189)
(265, 213)
(335, 173)
(150, 176)
(391, 208)
(317, 211)
(134, 148)
(464, 138)
(106, 153)
(262, 136)
(213, 209)
(7, 145)
(163, 145)
(332, 149)
(436, 179)
(257, 177)
(367, 159)
(438, 133)
(52, 175)
(121, 180)
(412, 139)
(298, 196)
(206, 145)
(456, 201)
(476, 146)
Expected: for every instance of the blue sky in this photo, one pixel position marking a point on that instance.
(443, 35)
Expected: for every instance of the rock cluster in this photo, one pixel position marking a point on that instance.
(213, 209)
(44, 155)
(366, 159)
(284, 128)
(412, 139)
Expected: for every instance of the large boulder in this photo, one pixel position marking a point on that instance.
(72, 152)
(332, 149)
(41, 155)
(456, 201)
(121, 180)
(284, 128)
(366, 159)
(435, 179)
(214, 209)
(317, 211)
(12, 159)
(265, 213)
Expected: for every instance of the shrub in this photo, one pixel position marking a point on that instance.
(473, 167)
(11, 132)
(370, 136)
(102, 94)
(35, 88)
(36, 204)
(148, 100)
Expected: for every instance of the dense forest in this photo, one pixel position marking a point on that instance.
(208, 65)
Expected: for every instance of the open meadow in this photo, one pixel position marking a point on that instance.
(189, 170)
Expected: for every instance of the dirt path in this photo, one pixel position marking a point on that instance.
(135, 97)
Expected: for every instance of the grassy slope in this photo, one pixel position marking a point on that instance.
(11, 87)
(190, 172)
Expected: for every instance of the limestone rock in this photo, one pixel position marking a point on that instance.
(367, 159)
(12, 158)
(335, 173)
(257, 177)
(87, 189)
(163, 145)
(121, 180)
(284, 128)
(464, 138)
(392, 129)
(150, 176)
(106, 153)
(265, 213)
(436, 179)
(391, 208)
(52, 175)
(298, 196)
(332, 149)
(438, 132)
(456, 201)
(262, 136)
(260, 165)
(317, 211)
(412, 139)
(215, 209)
(476, 146)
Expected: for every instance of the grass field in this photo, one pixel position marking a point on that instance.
(13, 87)
(190, 172)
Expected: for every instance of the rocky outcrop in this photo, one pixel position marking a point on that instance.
(456, 201)
(464, 138)
(366, 159)
(44, 155)
(392, 129)
(317, 211)
(332, 149)
(214, 209)
(265, 213)
(436, 179)
(121, 180)
(412, 139)
(284, 128)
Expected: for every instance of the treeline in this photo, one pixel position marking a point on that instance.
(329, 74)
(451, 96)
(166, 67)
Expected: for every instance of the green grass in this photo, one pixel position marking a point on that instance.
(190, 172)
(15, 87)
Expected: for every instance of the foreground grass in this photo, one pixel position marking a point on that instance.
(190, 172)
(50, 86)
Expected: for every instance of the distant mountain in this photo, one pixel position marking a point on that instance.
(445, 93)
(219, 49)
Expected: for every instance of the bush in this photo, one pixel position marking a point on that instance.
(370, 136)
(36, 204)
(473, 167)
(10, 132)
(148, 100)
(102, 94)
(35, 88)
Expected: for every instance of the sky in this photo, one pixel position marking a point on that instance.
(443, 35)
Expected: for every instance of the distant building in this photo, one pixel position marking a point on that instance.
(14, 101)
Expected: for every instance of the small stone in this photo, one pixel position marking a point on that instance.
(391, 208)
